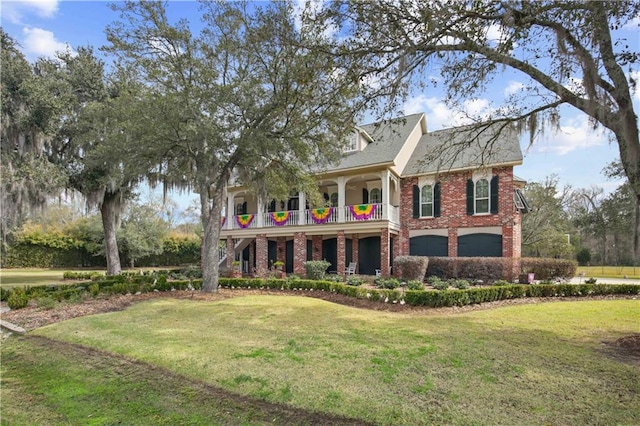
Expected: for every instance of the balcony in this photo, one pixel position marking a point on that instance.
(357, 215)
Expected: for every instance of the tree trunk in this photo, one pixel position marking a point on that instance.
(109, 211)
(211, 212)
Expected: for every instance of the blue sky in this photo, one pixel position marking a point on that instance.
(577, 153)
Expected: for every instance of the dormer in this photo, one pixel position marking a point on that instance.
(358, 140)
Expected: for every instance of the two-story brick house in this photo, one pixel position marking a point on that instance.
(398, 190)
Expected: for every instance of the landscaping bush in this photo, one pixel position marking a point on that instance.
(547, 269)
(18, 299)
(354, 280)
(459, 283)
(389, 283)
(487, 269)
(415, 285)
(439, 284)
(316, 269)
(411, 267)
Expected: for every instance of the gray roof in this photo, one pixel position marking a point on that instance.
(388, 139)
(466, 147)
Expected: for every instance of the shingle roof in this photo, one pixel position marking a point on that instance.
(463, 148)
(388, 139)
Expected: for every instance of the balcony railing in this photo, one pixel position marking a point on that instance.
(327, 215)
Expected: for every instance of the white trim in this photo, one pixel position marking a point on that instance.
(482, 174)
(421, 232)
(496, 230)
(426, 180)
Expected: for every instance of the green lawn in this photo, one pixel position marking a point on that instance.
(609, 271)
(528, 364)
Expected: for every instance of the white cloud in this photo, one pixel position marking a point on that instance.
(14, 11)
(633, 24)
(441, 116)
(513, 87)
(42, 42)
(576, 134)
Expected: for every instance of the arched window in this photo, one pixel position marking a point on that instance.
(426, 201)
(375, 196)
(334, 199)
(482, 196)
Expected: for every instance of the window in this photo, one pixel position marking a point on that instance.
(426, 201)
(482, 196)
(352, 143)
(334, 199)
(375, 196)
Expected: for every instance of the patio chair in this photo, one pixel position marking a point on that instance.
(351, 269)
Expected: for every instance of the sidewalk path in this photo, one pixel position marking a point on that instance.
(580, 280)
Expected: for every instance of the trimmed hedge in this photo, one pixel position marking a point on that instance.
(124, 284)
(546, 269)
(487, 269)
(490, 269)
(411, 267)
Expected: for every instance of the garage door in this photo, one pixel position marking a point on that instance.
(482, 245)
(429, 245)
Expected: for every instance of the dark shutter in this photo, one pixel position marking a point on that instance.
(494, 195)
(244, 208)
(416, 201)
(470, 197)
(365, 196)
(436, 200)
(326, 196)
(272, 206)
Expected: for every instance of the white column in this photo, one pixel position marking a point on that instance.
(260, 213)
(384, 176)
(302, 205)
(341, 199)
(230, 197)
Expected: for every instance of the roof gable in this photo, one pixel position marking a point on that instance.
(467, 147)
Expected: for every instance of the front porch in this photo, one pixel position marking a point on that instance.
(371, 251)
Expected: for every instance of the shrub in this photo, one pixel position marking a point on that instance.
(354, 280)
(583, 256)
(440, 284)
(547, 269)
(94, 289)
(389, 283)
(411, 267)
(486, 269)
(18, 299)
(46, 302)
(501, 282)
(316, 269)
(333, 278)
(459, 284)
(415, 285)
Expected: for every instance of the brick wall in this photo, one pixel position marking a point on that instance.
(454, 212)
(316, 246)
(262, 255)
(299, 253)
(341, 258)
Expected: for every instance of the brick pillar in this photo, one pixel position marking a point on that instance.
(355, 251)
(252, 258)
(316, 246)
(281, 252)
(453, 242)
(299, 253)
(231, 252)
(395, 241)
(262, 255)
(384, 252)
(341, 253)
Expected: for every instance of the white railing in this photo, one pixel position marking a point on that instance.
(355, 213)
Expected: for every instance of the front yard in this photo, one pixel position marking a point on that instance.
(544, 363)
